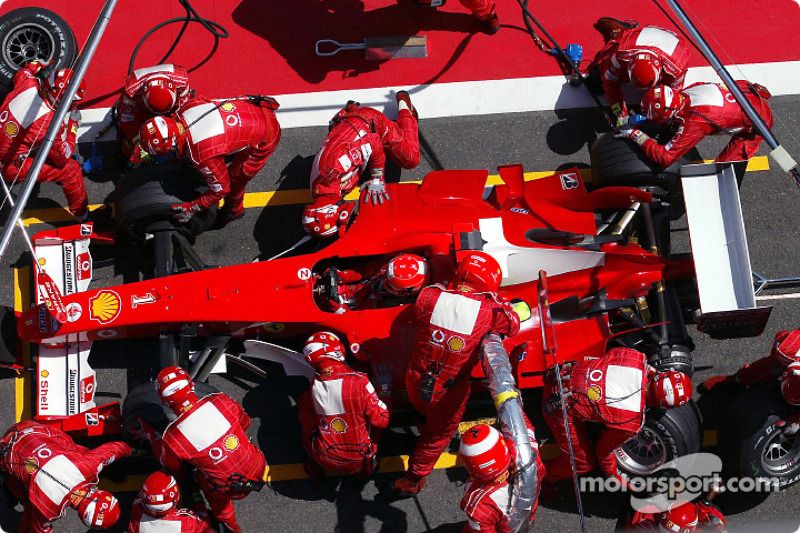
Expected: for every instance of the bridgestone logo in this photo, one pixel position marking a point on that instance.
(72, 395)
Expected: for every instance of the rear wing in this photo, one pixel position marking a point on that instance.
(720, 252)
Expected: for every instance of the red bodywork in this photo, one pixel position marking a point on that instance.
(274, 300)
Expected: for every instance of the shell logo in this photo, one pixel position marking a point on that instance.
(455, 343)
(594, 393)
(104, 307)
(11, 129)
(230, 443)
(45, 373)
(338, 425)
(31, 465)
(227, 107)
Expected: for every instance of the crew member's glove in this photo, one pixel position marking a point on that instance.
(376, 190)
(74, 121)
(146, 432)
(185, 212)
(41, 64)
(622, 121)
(637, 136)
(383, 380)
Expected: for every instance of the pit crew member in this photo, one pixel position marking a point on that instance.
(361, 138)
(785, 352)
(451, 325)
(206, 132)
(613, 391)
(397, 282)
(157, 90)
(699, 110)
(681, 517)
(208, 435)
(645, 57)
(488, 457)
(25, 116)
(48, 472)
(342, 414)
(156, 509)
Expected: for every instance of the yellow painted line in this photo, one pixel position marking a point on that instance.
(303, 196)
(22, 383)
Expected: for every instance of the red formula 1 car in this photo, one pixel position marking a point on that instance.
(600, 280)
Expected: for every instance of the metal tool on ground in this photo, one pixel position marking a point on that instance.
(550, 349)
(379, 48)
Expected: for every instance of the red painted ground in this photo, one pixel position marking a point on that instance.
(271, 50)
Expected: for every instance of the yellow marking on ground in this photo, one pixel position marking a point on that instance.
(464, 426)
(22, 383)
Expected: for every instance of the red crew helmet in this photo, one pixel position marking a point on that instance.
(159, 135)
(484, 453)
(159, 95)
(99, 509)
(323, 345)
(321, 217)
(644, 70)
(680, 518)
(786, 346)
(175, 387)
(660, 104)
(159, 494)
(478, 272)
(56, 85)
(406, 274)
(790, 384)
(670, 389)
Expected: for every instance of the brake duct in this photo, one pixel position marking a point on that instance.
(507, 400)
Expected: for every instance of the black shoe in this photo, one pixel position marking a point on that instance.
(491, 25)
(226, 216)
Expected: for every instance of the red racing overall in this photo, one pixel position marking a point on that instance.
(211, 437)
(176, 521)
(340, 416)
(451, 326)
(24, 119)
(49, 472)
(611, 391)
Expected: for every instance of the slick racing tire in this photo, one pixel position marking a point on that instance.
(667, 434)
(767, 447)
(145, 196)
(30, 33)
(617, 161)
(143, 402)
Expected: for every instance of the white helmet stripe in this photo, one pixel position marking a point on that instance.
(471, 450)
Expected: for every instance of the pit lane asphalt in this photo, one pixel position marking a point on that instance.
(540, 141)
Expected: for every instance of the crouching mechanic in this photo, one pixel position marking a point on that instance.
(25, 116)
(157, 90)
(48, 472)
(206, 132)
(489, 458)
(681, 517)
(341, 415)
(699, 110)
(360, 138)
(644, 57)
(451, 323)
(614, 391)
(156, 509)
(209, 435)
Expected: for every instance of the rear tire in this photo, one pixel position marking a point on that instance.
(30, 33)
(145, 196)
(667, 434)
(143, 402)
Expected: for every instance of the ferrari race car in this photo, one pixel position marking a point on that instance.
(604, 256)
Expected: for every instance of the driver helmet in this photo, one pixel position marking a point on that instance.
(670, 389)
(786, 346)
(478, 272)
(660, 104)
(644, 70)
(159, 136)
(56, 85)
(790, 384)
(681, 517)
(99, 509)
(406, 274)
(159, 95)
(175, 388)
(159, 494)
(484, 453)
(321, 346)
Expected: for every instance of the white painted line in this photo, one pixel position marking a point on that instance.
(790, 296)
(479, 97)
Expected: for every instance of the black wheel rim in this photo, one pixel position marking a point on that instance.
(643, 453)
(781, 453)
(26, 43)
